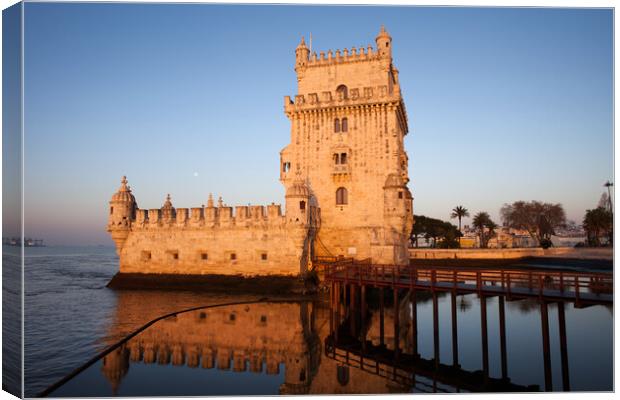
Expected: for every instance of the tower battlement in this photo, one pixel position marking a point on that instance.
(213, 217)
(355, 54)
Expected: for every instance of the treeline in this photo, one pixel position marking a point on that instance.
(540, 220)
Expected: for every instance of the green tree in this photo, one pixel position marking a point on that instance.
(485, 227)
(443, 234)
(597, 223)
(419, 228)
(539, 219)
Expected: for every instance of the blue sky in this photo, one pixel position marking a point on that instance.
(504, 104)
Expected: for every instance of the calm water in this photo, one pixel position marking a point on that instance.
(11, 320)
(274, 347)
(69, 313)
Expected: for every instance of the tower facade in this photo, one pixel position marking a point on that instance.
(348, 124)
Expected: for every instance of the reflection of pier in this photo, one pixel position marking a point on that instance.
(348, 326)
(405, 369)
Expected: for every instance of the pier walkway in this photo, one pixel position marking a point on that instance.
(581, 288)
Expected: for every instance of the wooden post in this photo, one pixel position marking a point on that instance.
(435, 330)
(396, 324)
(485, 339)
(363, 317)
(502, 337)
(455, 340)
(332, 306)
(544, 316)
(414, 322)
(381, 319)
(352, 309)
(563, 348)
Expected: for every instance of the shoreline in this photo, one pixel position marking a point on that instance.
(266, 284)
(528, 262)
(570, 258)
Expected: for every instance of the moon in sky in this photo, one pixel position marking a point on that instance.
(195, 173)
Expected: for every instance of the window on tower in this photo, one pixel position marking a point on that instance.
(336, 125)
(344, 125)
(342, 90)
(340, 158)
(341, 196)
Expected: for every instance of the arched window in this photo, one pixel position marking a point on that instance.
(343, 158)
(344, 125)
(302, 206)
(342, 89)
(341, 196)
(336, 158)
(336, 125)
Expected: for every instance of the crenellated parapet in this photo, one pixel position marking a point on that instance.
(381, 53)
(210, 217)
(355, 54)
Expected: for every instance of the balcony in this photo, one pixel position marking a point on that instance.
(341, 169)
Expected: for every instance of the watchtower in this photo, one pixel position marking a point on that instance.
(348, 124)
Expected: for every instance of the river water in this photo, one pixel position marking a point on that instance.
(273, 347)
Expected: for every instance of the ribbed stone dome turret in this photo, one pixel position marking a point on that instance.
(302, 44)
(383, 34)
(298, 189)
(393, 180)
(124, 193)
(168, 202)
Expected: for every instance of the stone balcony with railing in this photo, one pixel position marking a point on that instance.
(341, 169)
(356, 96)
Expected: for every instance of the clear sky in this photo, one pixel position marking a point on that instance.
(504, 104)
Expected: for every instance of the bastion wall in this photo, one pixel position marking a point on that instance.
(247, 241)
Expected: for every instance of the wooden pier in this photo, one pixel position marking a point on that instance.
(581, 288)
(349, 281)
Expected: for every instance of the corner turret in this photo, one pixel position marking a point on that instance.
(122, 213)
(384, 43)
(298, 202)
(168, 212)
(301, 55)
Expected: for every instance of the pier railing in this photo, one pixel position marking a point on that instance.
(562, 284)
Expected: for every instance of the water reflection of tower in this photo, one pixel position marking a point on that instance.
(115, 367)
(259, 337)
(303, 356)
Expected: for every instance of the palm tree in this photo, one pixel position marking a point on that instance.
(459, 212)
(483, 221)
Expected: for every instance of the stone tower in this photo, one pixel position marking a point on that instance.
(348, 124)
(122, 213)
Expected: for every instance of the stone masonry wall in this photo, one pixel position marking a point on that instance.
(245, 244)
